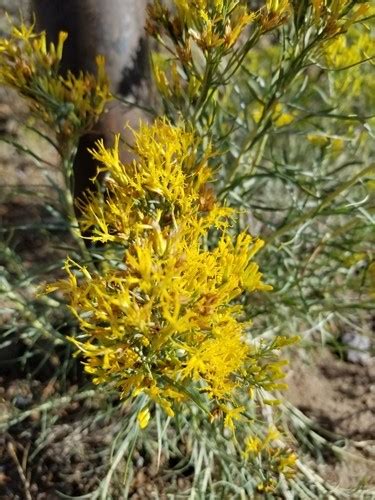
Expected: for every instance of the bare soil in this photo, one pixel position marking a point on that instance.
(339, 398)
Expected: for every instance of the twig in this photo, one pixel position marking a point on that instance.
(54, 403)
(21, 473)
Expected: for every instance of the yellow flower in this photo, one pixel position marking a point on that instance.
(277, 6)
(274, 13)
(284, 119)
(143, 418)
(267, 486)
(69, 104)
(253, 446)
(161, 316)
(287, 464)
(232, 415)
(318, 139)
(349, 56)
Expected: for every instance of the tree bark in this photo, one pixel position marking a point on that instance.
(115, 29)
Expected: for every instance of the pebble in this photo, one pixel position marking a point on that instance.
(358, 348)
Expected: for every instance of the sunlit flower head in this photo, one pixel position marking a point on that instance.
(69, 104)
(162, 315)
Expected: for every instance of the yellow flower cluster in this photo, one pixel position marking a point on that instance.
(201, 45)
(276, 460)
(197, 35)
(69, 104)
(335, 16)
(346, 54)
(161, 317)
(280, 116)
(276, 12)
(330, 16)
(208, 23)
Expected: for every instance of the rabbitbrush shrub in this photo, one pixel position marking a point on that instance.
(260, 159)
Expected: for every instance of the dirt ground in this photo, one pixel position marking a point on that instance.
(338, 396)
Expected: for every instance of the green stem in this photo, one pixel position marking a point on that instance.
(310, 214)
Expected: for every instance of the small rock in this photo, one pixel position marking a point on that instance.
(22, 402)
(358, 348)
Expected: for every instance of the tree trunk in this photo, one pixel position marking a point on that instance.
(115, 29)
